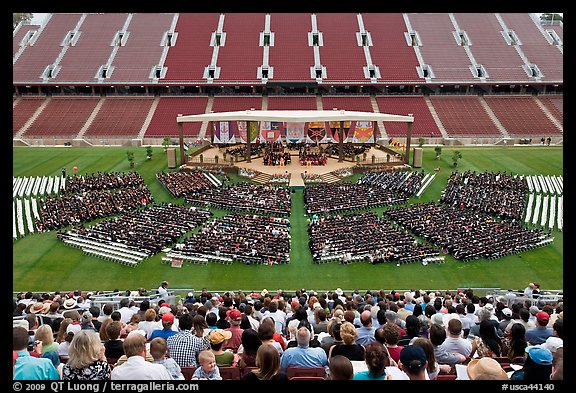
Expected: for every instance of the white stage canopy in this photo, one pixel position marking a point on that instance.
(295, 116)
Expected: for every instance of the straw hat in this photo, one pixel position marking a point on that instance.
(486, 368)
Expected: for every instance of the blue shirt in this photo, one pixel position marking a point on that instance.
(303, 357)
(368, 376)
(31, 368)
(365, 335)
(538, 335)
(164, 333)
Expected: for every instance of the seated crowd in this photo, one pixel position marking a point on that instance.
(70, 209)
(349, 150)
(326, 198)
(250, 239)
(364, 234)
(498, 194)
(79, 184)
(181, 183)
(148, 230)
(242, 150)
(464, 233)
(277, 158)
(307, 158)
(377, 335)
(405, 183)
(247, 197)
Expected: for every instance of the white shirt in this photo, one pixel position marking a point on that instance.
(126, 313)
(163, 293)
(138, 368)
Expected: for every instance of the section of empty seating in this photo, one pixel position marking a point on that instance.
(291, 56)
(439, 49)
(424, 124)
(463, 116)
(236, 103)
(163, 121)
(535, 46)
(142, 50)
(292, 103)
(349, 103)
(19, 35)
(120, 117)
(340, 54)
(23, 110)
(521, 116)
(82, 61)
(389, 51)
(555, 105)
(192, 52)
(62, 117)
(31, 64)
(557, 28)
(241, 54)
(501, 61)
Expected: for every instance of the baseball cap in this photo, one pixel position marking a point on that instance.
(413, 357)
(219, 335)
(234, 314)
(164, 310)
(542, 317)
(541, 355)
(533, 310)
(168, 317)
(506, 311)
(73, 328)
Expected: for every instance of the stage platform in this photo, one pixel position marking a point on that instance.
(294, 168)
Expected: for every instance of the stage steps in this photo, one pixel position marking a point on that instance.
(329, 178)
(262, 178)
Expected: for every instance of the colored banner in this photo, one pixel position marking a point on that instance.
(335, 127)
(240, 131)
(363, 132)
(254, 131)
(295, 131)
(316, 132)
(270, 131)
(223, 132)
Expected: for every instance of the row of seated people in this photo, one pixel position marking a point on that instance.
(79, 184)
(312, 159)
(58, 212)
(348, 150)
(498, 193)
(406, 183)
(242, 150)
(273, 159)
(150, 229)
(366, 235)
(379, 335)
(464, 233)
(326, 198)
(250, 239)
(254, 198)
(182, 183)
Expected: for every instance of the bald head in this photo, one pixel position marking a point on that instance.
(303, 337)
(366, 318)
(135, 345)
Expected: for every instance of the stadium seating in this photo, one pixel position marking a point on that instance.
(135, 60)
(163, 121)
(23, 109)
(62, 117)
(19, 35)
(464, 116)
(403, 105)
(236, 103)
(120, 117)
(294, 371)
(340, 54)
(521, 116)
(396, 60)
(92, 49)
(291, 56)
(292, 103)
(192, 52)
(555, 105)
(241, 54)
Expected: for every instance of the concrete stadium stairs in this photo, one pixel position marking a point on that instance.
(329, 178)
(262, 178)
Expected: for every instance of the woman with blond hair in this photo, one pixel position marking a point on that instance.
(46, 336)
(267, 365)
(349, 347)
(87, 360)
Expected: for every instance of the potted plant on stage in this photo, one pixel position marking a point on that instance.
(148, 152)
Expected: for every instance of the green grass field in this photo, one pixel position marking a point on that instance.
(43, 263)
